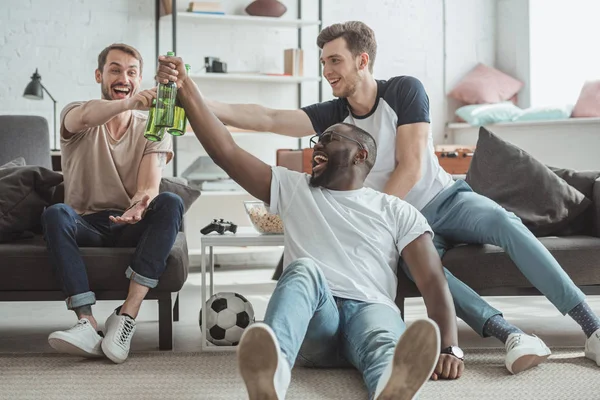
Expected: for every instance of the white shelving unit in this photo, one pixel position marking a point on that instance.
(222, 30)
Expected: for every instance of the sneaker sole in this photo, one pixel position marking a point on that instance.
(524, 363)
(111, 356)
(257, 358)
(415, 359)
(72, 347)
(593, 357)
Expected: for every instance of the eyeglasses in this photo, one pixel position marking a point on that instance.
(326, 138)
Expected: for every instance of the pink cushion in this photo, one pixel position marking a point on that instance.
(588, 104)
(485, 85)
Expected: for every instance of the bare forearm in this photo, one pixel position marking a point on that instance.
(402, 181)
(211, 133)
(98, 112)
(440, 308)
(245, 116)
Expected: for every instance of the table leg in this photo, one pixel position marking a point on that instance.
(212, 270)
(203, 301)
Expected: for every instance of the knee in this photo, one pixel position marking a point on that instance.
(57, 214)
(304, 268)
(500, 218)
(170, 203)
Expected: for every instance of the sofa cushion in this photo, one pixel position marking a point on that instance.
(518, 182)
(17, 162)
(584, 182)
(178, 186)
(27, 264)
(485, 267)
(25, 192)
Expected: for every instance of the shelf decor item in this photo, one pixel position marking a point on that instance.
(266, 8)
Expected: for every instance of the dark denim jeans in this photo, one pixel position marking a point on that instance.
(153, 237)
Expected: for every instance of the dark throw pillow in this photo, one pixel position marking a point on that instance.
(178, 186)
(584, 182)
(25, 193)
(518, 182)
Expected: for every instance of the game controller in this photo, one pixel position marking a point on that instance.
(220, 226)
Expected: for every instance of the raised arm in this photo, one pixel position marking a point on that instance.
(250, 172)
(425, 266)
(293, 123)
(98, 112)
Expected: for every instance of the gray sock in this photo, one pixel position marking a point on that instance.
(499, 328)
(585, 317)
(83, 310)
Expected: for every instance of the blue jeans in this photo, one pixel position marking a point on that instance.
(459, 215)
(316, 329)
(65, 231)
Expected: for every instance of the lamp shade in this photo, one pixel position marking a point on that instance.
(34, 90)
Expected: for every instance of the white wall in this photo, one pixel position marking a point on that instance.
(564, 49)
(550, 45)
(63, 38)
(512, 44)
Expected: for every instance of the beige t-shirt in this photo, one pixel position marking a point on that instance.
(100, 173)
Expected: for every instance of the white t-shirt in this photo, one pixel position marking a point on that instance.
(355, 237)
(400, 101)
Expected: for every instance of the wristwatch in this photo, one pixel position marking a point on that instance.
(455, 351)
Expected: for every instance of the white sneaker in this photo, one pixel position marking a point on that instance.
(592, 347)
(415, 358)
(119, 331)
(524, 351)
(263, 367)
(80, 340)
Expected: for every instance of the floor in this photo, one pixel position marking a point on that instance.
(26, 325)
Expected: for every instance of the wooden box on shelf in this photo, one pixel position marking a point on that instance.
(455, 159)
(295, 160)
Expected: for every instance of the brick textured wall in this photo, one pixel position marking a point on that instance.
(62, 39)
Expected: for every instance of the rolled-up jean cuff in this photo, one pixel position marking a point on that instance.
(80, 300)
(142, 280)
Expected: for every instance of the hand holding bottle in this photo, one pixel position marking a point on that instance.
(172, 69)
(142, 100)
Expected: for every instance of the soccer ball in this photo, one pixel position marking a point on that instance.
(227, 316)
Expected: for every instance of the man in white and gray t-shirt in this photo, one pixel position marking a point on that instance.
(334, 304)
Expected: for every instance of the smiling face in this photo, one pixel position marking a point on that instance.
(120, 77)
(341, 68)
(334, 157)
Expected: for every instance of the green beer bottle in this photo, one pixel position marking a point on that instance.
(179, 123)
(164, 114)
(151, 130)
(156, 136)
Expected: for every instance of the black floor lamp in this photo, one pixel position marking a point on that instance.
(35, 91)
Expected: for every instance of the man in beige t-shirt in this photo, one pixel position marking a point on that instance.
(112, 176)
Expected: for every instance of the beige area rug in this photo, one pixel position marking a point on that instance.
(166, 375)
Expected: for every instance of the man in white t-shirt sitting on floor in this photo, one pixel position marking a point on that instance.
(334, 304)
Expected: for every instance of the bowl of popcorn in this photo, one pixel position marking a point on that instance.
(262, 220)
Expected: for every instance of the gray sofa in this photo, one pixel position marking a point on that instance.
(490, 272)
(25, 271)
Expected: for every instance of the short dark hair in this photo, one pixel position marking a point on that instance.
(359, 38)
(122, 47)
(367, 140)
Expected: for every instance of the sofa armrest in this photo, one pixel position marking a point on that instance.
(596, 205)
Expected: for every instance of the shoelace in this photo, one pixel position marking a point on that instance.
(125, 330)
(513, 342)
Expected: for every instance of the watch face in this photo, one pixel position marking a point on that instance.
(457, 351)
